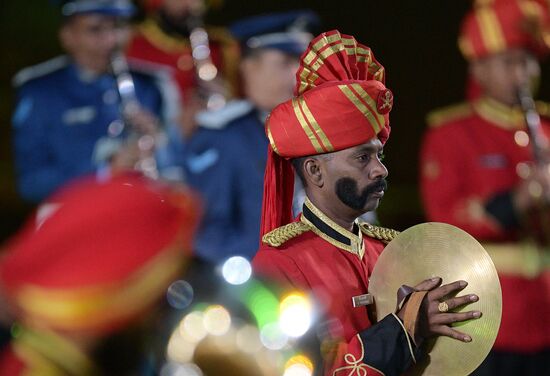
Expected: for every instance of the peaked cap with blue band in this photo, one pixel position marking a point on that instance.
(285, 31)
(115, 8)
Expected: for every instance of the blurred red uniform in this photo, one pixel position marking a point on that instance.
(472, 160)
(471, 155)
(151, 43)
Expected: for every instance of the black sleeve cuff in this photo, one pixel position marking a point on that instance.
(388, 347)
(501, 207)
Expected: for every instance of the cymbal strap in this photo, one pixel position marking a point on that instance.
(412, 308)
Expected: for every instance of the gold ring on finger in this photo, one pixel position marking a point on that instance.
(443, 307)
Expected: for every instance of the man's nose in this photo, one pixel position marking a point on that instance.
(378, 171)
(110, 40)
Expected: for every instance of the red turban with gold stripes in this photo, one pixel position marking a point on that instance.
(101, 257)
(340, 102)
(495, 26)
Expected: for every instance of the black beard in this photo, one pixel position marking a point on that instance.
(178, 26)
(347, 191)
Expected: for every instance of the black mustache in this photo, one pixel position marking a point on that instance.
(348, 191)
(379, 185)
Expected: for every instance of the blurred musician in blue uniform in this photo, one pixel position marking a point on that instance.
(225, 159)
(65, 105)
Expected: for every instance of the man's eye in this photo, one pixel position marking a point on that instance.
(363, 157)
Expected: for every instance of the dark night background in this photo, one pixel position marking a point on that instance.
(414, 40)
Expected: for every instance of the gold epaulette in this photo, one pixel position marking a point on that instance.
(381, 233)
(281, 235)
(444, 115)
(543, 108)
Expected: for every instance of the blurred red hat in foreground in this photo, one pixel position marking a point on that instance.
(104, 253)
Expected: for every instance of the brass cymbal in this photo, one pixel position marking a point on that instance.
(441, 250)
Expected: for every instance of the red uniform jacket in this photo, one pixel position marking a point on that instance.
(151, 43)
(470, 160)
(336, 264)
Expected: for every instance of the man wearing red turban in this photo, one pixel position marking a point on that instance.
(332, 132)
(478, 173)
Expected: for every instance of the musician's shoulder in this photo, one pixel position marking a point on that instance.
(383, 234)
(223, 119)
(449, 114)
(42, 71)
(279, 236)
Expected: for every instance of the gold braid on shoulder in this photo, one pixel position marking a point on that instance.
(381, 233)
(282, 234)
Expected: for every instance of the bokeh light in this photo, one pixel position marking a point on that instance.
(217, 320)
(299, 365)
(236, 270)
(297, 370)
(263, 304)
(273, 337)
(177, 369)
(192, 327)
(180, 294)
(248, 339)
(179, 349)
(295, 315)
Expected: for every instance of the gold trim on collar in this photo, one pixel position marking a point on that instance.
(357, 246)
(496, 113)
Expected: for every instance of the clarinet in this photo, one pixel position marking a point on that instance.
(539, 142)
(540, 214)
(205, 69)
(129, 105)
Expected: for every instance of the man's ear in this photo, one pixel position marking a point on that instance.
(66, 37)
(313, 172)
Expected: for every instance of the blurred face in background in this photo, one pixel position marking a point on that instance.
(90, 39)
(269, 77)
(180, 9)
(500, 75)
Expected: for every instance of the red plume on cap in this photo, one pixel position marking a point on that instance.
(340, 102)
